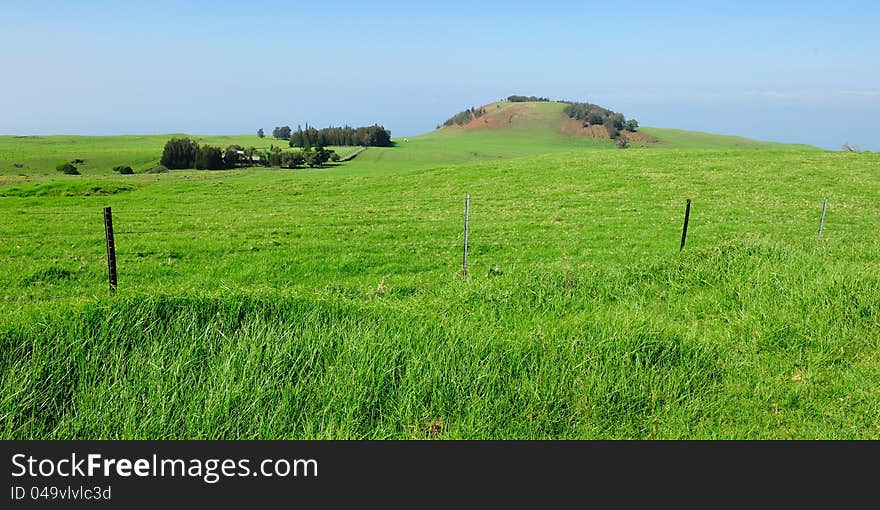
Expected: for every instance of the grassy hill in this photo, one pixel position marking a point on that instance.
(328, 303)
(38, 155)
(510, 130)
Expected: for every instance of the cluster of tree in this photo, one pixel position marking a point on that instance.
(591, 114)
(371, 136)
(311, 157)
(281, 133)
(368, 136)
(526, 99)
(179, 153)
(462, 118)
(184, 153)
(123, 169)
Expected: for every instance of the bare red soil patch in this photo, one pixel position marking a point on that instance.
(499, 118)
(575, 127)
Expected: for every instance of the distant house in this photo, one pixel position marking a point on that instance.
(243, 157)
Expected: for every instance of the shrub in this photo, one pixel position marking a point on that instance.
(67, 168)
(158, 169)
(123, 169)
(622, 142)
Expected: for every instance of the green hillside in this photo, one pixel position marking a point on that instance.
(682, 139)
(532, 130)
(25, 158)
(329, 303)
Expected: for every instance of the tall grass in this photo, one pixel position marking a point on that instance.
(745, 340)
(327, 303)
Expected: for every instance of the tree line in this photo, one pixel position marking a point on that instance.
(183, 153)
(368, 136)
(527, 99)
(462, 118)
(591, 114)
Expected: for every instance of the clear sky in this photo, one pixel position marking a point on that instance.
(795, 71)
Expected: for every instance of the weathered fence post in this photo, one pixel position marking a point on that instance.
(467, 207)
(684, 230)
(111, 248)
(822, 219)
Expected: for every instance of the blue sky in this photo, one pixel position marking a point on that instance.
(788, 71)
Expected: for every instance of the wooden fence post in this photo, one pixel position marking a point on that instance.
(111, 248)
(467, 207)
(684, 230)
(822, 219)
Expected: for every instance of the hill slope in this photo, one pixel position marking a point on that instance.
(534, 116)
(325, 303)
(506, 130)
(510, 130)
(545, 116)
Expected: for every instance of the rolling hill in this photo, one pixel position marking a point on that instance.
(330, 302)
(506, 130)
(509, 130)
(535, 117)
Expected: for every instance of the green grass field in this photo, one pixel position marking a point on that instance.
(38, 155)
(329, 303)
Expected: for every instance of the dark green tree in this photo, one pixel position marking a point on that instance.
(292, 159)
(595, 118)
(179, 153)
(234, 155)
(281, 132)
(610, 127)
(209, 158)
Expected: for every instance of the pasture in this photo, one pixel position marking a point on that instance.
(328, 303)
